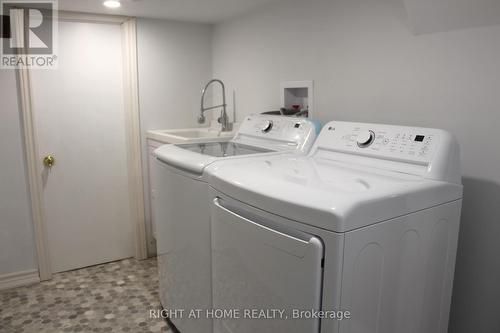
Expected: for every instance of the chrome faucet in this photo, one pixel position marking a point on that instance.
(223, 119)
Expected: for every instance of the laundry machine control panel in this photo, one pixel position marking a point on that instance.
(281, 133)
(276, 127)
(400, 143)
(427, 152)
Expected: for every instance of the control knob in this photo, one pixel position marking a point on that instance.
(266, 126)
(365, 139)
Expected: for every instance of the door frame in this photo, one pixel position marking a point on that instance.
(132, 130)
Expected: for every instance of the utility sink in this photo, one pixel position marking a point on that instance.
(190, 135)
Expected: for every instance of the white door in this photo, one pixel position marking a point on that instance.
(80, 120)
(261, 264)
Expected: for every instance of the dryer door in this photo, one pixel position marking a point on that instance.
(263, 266)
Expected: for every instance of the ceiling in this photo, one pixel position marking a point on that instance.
(424, 16)
(206, 11)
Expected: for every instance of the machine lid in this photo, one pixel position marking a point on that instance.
(258, 134)
(194, 158)
(328, 194)
(223, 149)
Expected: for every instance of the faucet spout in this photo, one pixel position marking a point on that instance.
(223, 119)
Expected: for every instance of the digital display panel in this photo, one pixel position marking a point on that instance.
(419, 138)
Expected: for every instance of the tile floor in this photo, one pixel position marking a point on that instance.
(113, 297)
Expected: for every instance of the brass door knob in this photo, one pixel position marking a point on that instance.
(49, 161)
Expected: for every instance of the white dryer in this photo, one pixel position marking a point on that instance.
(367, 223)
(183, 214)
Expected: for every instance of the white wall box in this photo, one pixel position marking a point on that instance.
(298, 93)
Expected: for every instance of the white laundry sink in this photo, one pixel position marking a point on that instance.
(190, 135)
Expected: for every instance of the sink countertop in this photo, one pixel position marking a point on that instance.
(190, 135)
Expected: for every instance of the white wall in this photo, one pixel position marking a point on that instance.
(175, 60)
(16, 229)
(367, 66)
(427, 16)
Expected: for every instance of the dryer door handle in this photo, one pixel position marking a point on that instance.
(271, 233)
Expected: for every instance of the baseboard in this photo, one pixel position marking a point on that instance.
(19, 279)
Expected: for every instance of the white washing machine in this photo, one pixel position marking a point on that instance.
(183, 213)
(367, 223)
